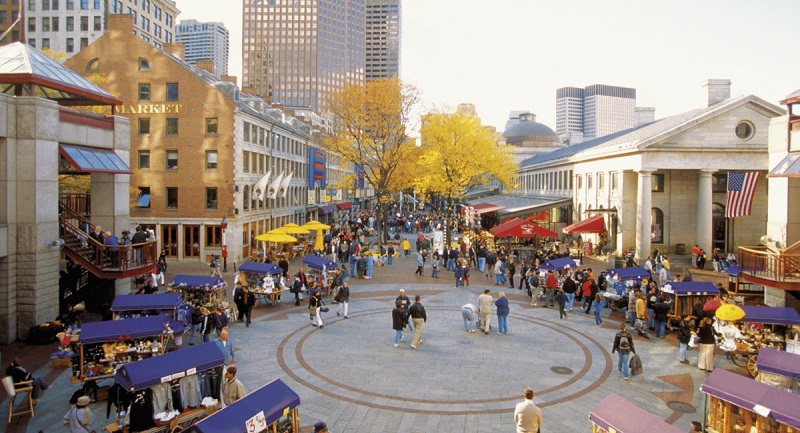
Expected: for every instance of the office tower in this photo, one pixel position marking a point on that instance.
(384, 35)
(205, 41)
(297, 52)
(68, 26)
(594, 111)
(9, 11)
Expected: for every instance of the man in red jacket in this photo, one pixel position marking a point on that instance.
(551, 285)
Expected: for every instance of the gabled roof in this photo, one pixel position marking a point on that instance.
(642, 136)
(26, 71)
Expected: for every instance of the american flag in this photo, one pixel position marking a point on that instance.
(741, 188)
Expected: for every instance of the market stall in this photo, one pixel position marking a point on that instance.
(740, 289)
(104, 346)
(779, 369)
(271, 408)
(321, 270)
(558, 264)
(736, 403)
(617, 282)
(210, 292)
(683, 295)
(181, 372)
(263, 280)
(615, 414)
(132, 306)
(774, 327)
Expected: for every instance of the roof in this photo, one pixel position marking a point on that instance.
(595, 224)
(113, 330)
(195, 281)
(169, 366)
(525, 129)
(771, 402)
(778, 362)
(318, 262)
(159, 301)
(21, 65)
(556, 264)
(515, 204)
(260, 268)
(628, 273)
(641, 136)
(691, 288)
(615, 413)
(770, 315)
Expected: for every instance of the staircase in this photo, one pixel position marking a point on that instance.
(103, 261)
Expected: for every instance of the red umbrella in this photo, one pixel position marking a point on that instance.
(712, 305)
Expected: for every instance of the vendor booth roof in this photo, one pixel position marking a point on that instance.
(196, 281)
(628, 273)
(169, 366)
(747, 393)
(318, 262)
(272, 399)
(260, 268)
(614, 412)
(556, 264)
(733, 270)
(112, 330)
(161, 301)
(522, 229)
(779, 362)
(595, 224)
(770, 315)
(690, 288)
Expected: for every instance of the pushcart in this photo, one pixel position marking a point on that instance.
(764, 326)
(617, 282)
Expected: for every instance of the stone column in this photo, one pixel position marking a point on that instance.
(705, 204)
(644, 215)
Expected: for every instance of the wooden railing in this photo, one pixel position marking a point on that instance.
(764, 263)
(80, 203)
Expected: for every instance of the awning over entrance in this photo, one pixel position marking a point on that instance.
(789, 167)
(327, 209)
(344, 206)
(595, 224)
(482, 208)
(521, 205)
(91, 160)
(521, 228)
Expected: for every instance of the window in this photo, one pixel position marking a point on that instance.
(54, 24)
(213, 236)
(3, 17)
(93, 65)
(70, 24)
(84, 42)
(98, 23)
(144, 126)
(578, 182)
(84, 4)
(657, 184)
(144, 160)
(31, 24)
(70, 45)
(172, 160)
(70, 5)
(211, 198)
(745, 130)
(84, 24)
(144, 91)
(143, 64)
(588, 181)
(143, 202)
(719, 182)
(211, 159)
(246, 161)
(601, 181)
(172, 126)
(55, 5)
(246, 136)
(46, 24)
(46, 43)
(614, 181)
(45, 5)
(212, 126)
(657, 226)
(172, 198)
(172, 91)
(97, 4)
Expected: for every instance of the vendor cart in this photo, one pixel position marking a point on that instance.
(616, 414)
(781, 369)
(132, 306)
(253, 274)
(740, 289)
(209, 292)
(683, 295)
(271, 408)
(181, 370)
(104, 346)
(736, 403)
(559, 264)
(617, 282)
(321, 270)
(763, 326)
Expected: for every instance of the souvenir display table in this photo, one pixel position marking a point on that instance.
(320, 268)
(209, 292)
(773, 327)
(255, 274)
(617, 282)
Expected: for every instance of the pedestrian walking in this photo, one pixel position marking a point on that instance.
(232, 388)
(551, 285)
(502, 313)
(641, 315)
(623, 345)
(389, 255)
(208, 324)
(215, 266)
(342, 296)
(512, 270)
(435, 266)
(226, 347)
(406, 301)
(420, 263)
(706, 332)
(469, 313)
(684, 336)
(244, 301)
(597, 307)
(561, 300)
(399, 319)
(528, 416)
(485, 302)
(417, 314)
(315, 304)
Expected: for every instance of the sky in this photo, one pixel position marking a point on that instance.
(506, 55)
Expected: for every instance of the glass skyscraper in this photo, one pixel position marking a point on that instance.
(384, 30)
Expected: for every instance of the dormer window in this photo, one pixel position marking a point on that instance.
(144, 65)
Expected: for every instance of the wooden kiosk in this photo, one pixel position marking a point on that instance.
(781, 369)
(685, 294)
(615, 414)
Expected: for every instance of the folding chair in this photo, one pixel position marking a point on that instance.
(13, 391)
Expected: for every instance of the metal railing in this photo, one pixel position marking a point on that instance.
(764, 263)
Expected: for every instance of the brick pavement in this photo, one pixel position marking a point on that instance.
(349, 375)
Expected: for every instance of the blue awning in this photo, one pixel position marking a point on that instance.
(778, 362)
(92, 160)
(770, 315)
(112, 330)
(197, 282)
(169, 366)
(162, 301)
(318, 262)
(692, 288)
(260, 268)
(273, 399)
(628, 273)
(327, 209)
(556, 264)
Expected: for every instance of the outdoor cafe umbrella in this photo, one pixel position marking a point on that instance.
(293, 229)
(275, 236)
(315, 225)
(730, 312)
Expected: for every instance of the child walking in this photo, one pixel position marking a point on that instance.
(435, 264)
(597, 307)
(561, 300)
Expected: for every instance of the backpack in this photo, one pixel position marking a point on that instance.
(624, 343)
(534, 280)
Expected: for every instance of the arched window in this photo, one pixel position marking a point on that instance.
(144, 65)
(93, 65)
(657, 227)
(718, 209)
(580, 212)
(246, 197)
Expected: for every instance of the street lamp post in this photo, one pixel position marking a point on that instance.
(224, 225)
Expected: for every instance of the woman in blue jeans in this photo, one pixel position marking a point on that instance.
(502, 313)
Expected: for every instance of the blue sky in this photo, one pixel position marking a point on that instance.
(506, 55)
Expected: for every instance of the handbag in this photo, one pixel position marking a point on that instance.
(324, 309)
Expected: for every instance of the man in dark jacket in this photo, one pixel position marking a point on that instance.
(623, 344)
(197, 322)
(418, 317)
(398, 321)
(570, 288)
(244, 301)
(19, 374)
(405, 301)
(660, 311)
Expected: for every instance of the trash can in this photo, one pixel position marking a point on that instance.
(680, 249)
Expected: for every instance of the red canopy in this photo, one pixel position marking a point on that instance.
(595, 224)
(521, 229)
(482, 208)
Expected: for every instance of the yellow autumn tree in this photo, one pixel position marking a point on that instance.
(459, 154)
(370, 123)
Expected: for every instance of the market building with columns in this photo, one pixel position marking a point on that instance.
(663, 184)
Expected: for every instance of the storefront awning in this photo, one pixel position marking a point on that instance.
(482, 208)
(788, 167)
(91, 160)
(514, 205)
(521, 228)
(595, 224)
(344, 206)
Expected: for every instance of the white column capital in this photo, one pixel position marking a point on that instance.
(645, 171)
(707, 172)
